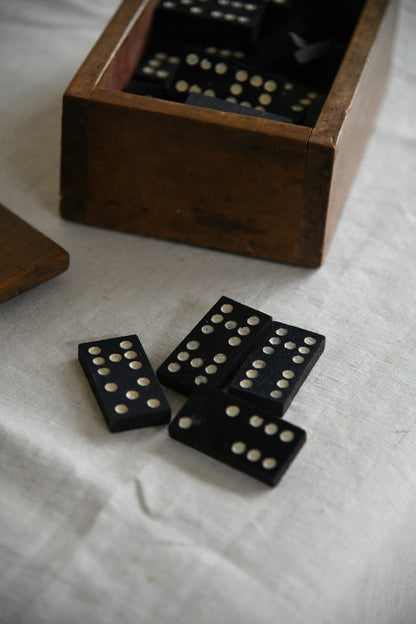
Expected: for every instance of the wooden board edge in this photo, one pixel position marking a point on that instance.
(36, 259)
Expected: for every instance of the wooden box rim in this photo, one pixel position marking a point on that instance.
(100, 80)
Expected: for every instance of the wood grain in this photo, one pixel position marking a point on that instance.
(240, 184)
(27, 257)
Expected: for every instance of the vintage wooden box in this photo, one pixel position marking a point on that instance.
(241, 184)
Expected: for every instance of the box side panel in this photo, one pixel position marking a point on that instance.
(176, 172)
(106, 64)
(360, 118)
(338, 140)
(130, 47)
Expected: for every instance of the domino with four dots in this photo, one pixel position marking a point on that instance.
(238, 434)
(273, 373)
(124, 383)
(215, 347)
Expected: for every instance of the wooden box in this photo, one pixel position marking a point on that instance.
(241, 184)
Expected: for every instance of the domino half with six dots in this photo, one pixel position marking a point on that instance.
(273, 373)
(215, 347)
(237, 434)
(124, 383)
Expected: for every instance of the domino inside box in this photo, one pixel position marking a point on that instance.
(192, 165)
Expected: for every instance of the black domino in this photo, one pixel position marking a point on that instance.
(234, 82)
(124, 383)
(158, 65)
(240, 84)
(209, 22)
(274, 372)
(215, 347)
(238, 434)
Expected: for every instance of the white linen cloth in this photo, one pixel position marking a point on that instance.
(134, 527)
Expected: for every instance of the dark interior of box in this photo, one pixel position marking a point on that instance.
(275, 59)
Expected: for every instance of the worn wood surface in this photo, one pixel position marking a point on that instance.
(27, 257)
(209, 178)
(201, 178)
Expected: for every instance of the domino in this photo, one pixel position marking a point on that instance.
(314, 109)
(124, 383)
(274, 372)
(238, 434)
(240, 84)
(158, 66)
(217, 77)
(209, 22)
(300, 102)
(215, 347)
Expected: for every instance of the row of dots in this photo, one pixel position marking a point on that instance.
(244, 103)
(193, 59)
(163, 56)
(255, 421)
(253, 455)
(238, 54)
(240, 448)
(95, 350)
(237, 4)
(252, 373)
(281, 383)
(159, 73)
(111, 387)
(132, 395)
(175, 367)
(309, 340)
(230, 17)
(219, 358)
(216, 14)
(211, 369)
(270, 429)
(264, 98)
(208, 329)
(135, 365)
(290, 346)
(182, 86)
(115, 357)
(122, 408)
(252, 320)
(256, 80)
(282, 331)
(160, 57)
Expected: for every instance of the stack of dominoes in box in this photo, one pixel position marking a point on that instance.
(273, 59)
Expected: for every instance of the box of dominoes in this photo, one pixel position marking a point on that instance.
(230, 124)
